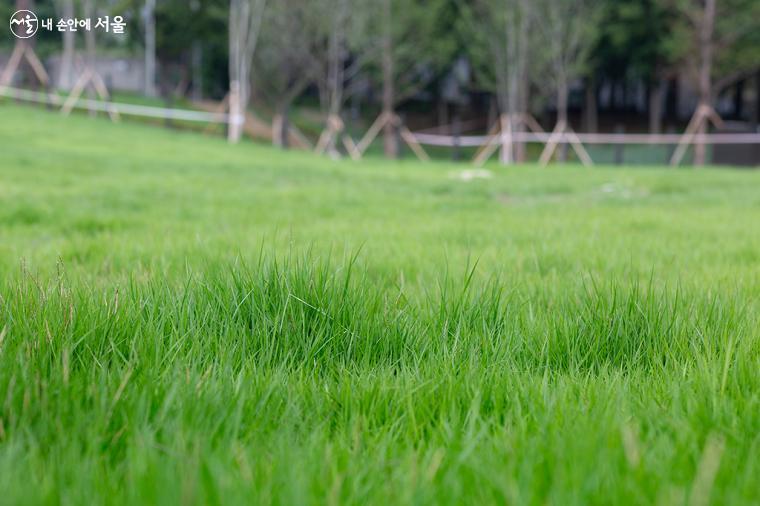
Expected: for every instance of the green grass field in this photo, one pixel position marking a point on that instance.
(185, 322)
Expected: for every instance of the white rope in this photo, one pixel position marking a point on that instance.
(480, 140)
(121, 108)
(422, 138)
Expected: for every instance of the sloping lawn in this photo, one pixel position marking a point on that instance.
(187, 322)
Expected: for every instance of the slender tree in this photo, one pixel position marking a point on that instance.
(149, 20)
(570, 29)
(502, 48)
(284, 63)
(245, 21)
(414, 46)
(66, 71)
(724, 36)
(340, 54)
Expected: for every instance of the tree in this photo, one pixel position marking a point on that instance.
(149, 20)
(414, 47)
(570, 29)
(724, 35)
(66, 74)
(284, 63)
(501, 49)
(245, 20)
(340, 53)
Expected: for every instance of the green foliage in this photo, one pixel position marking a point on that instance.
(735, 40)
(637, 40)
(283, 62)
(491, 29)
(422, 45)
(570, 29)
(179, 24)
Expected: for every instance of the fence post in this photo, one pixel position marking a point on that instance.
(619, 148)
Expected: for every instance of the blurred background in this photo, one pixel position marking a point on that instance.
(349, 77)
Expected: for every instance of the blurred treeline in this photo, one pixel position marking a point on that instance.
(490, 56)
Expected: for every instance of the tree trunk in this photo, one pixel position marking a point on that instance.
(756, 115)
(671, 100)
(89, 41)
(656, 98)
(591, 114)
(234, 126)
(522, 83)
(149, 86)
(280, 127)
(30, 42)
(562, 93)
(524, 100)
(25, 5)
(236, 107)
(739, 100)
(66, 73)
(506, 155)
(197, 66)
(390, 140)
(705, 75)
(456, 131)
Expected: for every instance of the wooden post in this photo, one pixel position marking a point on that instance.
(506, 139)
(234, 128)
(93, 79)
(457, 132)
(488, 149)
(683, 144)
(23, 51)
(353, 151)
(408, 137)
(76, 91)
(551, 144)
(12, 65)
(480, 155)
(619, 155)
(694, 129)
(372, 132)
(329, 135)
(577, 145)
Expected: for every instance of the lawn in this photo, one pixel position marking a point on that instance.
(183, 321)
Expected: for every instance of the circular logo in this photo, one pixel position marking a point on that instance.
(24, 24)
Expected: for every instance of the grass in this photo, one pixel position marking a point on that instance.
(188, 322)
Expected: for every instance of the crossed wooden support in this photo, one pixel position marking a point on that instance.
(252, 125)
(703, 114)
(89, 77)
(23, 51)
(387, 118)
(501, 135)
(326, 143)
(563, 129)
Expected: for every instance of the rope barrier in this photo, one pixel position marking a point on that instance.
(121, 108)
(420, 137)
(654, 139)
